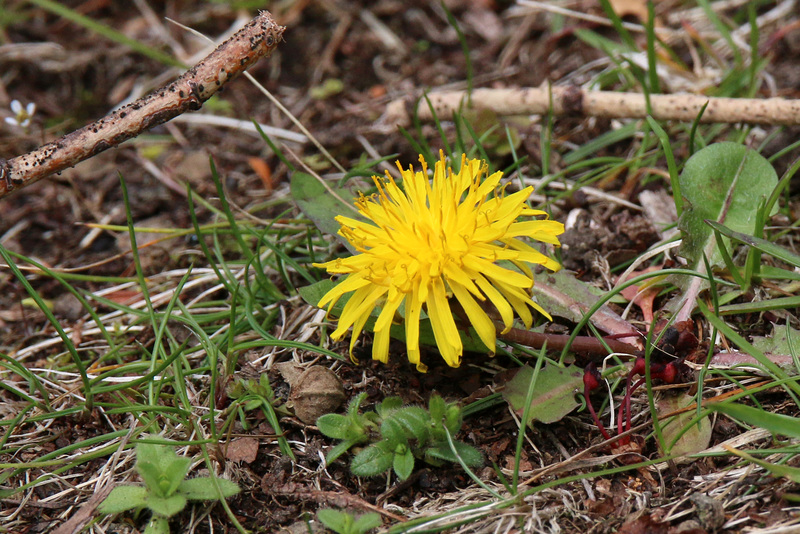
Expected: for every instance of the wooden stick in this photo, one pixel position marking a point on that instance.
(572, 100)
(187, 93)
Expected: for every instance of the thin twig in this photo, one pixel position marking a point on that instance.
(574, 101)
(255, 40)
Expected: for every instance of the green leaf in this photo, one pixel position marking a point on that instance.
(373, 460)
(403, 464)
(681, 440)
(784, 340)
(563, 295)
(166, 506)
(723, 182)
(205, 489)
(394, 432)
(453, 418)
(774, 422)
(554, 396)
(792, 473)
(160, 468)
(335, 520)
(437, 407)
(124, 498)
(157, 525)
(152, 476)
(389, 405)
(367, 522)
(313, 293)
(415, 420)
(174, 474)
(339, 450)
(335, 426)
(322, 202)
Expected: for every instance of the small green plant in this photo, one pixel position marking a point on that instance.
(166, 490)
(343, 522)
(398, 436)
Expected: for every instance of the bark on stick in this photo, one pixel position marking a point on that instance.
(574, 101)
(187, 93)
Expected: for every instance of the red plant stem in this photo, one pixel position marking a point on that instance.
(586, 345)
(187, 93)
(593, 413)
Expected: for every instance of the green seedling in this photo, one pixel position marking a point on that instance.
(343, 522)
(166, 490)
(258, 394)
(398, 436)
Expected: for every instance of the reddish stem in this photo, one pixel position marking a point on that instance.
(587, 345)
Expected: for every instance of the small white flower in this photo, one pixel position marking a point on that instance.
(22, 116)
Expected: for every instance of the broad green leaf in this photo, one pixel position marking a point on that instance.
(792, 473)
(174, 474)
(373, 460)
(453, 418)
(322, 202)
(394, 432)
(157, 525)
(166, 506)
(124, 498)
(152, 477)
(204, 489)
(681, 440)
(388, 406)
(414, 421)
(784, 340)
(403, 464)
(565, 283)
(313, 293)
(335, 520)
(367, 522)
(339, 450)
(554, 396)
(437, 407)
(723, 182)
(335, 426)
(774, 422)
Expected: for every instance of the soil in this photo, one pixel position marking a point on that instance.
(337, 41)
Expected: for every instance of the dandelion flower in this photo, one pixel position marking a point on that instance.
(434, 240)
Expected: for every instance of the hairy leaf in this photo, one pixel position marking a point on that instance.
(205, 489)
(403, 464)
(124, 498)
(373, 460)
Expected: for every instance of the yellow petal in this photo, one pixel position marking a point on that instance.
(480, 321)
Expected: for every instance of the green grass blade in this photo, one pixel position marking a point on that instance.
(776, 423)
(76, 358)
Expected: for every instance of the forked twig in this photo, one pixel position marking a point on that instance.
(258, 38)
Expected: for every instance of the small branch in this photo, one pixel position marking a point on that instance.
(574, 101)
(255, 40)
(585, 345)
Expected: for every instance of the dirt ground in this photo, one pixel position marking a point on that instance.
(340, 64)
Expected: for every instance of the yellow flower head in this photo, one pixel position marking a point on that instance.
(430, 241)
